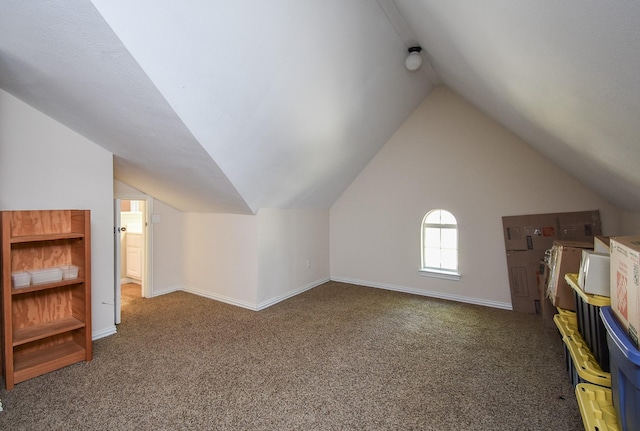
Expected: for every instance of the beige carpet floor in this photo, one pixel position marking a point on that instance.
(338, 357)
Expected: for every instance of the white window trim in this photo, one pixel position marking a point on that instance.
(440, 273)
(447, 274)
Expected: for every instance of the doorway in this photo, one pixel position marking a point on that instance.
(131, 252)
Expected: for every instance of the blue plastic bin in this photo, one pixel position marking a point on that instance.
(624, 361)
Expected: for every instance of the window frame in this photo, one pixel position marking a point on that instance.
(449, 274)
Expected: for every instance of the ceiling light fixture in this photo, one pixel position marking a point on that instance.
(413, 60)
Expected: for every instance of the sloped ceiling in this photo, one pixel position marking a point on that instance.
(231, 106)
(224, 106)
(63, 59)
(562, 75)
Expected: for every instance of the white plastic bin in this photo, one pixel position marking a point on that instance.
(69, 272)
(20, 279)
(46, 275)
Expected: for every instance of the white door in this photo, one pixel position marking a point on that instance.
(116, 247)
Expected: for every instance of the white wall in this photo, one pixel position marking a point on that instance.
(293, 252)
(629, 224)
(45, 165)
(249, 261)
(255, 261)
(448, 155)
(168, 249)
(221, 257)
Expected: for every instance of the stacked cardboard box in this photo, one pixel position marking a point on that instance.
(625, 283)
(565, 259)
(547, 309)
(528, 237)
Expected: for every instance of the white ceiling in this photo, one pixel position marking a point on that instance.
(562, 75)
(232, 106)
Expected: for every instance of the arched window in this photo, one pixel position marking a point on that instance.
(439, 239)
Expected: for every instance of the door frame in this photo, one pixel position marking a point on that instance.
(147, 271)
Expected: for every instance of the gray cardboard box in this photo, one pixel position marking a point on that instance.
(565, 259)
(539, 231)
(524, 273)
(531, 236)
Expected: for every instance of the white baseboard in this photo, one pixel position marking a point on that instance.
(166, 290)
(96, 335)
(221, 298)
(431, 294)
(249, 305)
(289, 294)
(130, 280)
(265, 304)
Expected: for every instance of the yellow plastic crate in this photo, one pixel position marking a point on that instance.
(585, 363)
(596, 408)
(590, 326)
(567, 313)
(565, 325)
(597, 300)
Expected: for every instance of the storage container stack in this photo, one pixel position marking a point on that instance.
(584, 335)
(576, 329)
(589, 356)
(601, 337)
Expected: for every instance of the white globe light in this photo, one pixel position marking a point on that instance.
(413, 61)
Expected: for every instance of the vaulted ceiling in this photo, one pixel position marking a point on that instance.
(232, 106)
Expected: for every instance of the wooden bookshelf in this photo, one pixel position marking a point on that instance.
(45, 326)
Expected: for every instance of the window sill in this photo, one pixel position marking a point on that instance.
(447, 275)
